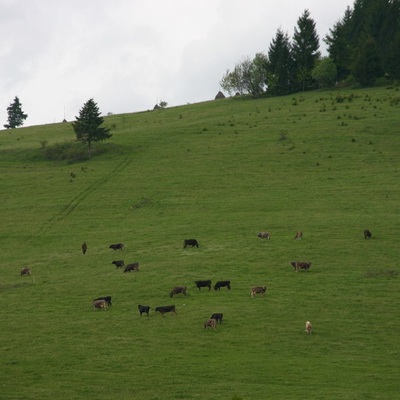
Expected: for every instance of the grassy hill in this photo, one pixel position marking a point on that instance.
(325, 163)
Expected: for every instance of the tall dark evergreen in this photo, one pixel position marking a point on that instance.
(305, 50)
(16, 117)
(88, 127)
(280, 65)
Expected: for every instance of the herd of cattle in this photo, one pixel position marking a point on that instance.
(102, 303)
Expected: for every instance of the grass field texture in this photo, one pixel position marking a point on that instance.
(326, 163)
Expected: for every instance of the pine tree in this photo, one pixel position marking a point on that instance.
(305, 49)
(16, 116)
(88, 127)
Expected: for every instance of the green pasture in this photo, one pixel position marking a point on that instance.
(326, 163)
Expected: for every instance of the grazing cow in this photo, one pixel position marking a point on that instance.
(107, 299)
(264, 235)
(299, 235)
(297, 265)
(210, 323)
(178, 290)
(26, 271)
(201, 284)
(367, 234)
(84, 247)
(308, 327)
(165, 309)
(119, 263)
(117, 246)
(221, 284)
(132, 267)
(258, 290)
(143, 309)
(218, 317)
(100, 305)
(190, 242)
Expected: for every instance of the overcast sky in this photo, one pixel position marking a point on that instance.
(129, 55)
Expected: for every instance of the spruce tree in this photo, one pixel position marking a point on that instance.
(16, 116)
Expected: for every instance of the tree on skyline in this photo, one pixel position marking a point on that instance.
(16, 117)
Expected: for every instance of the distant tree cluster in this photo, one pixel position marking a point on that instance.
(363, 46)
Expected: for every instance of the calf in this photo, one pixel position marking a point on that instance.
(210, 323)
(308, 328)
(258, 290)
(100, 305)
(218, 317)
(190, 242)
(299, 235)
(107, 299)
(117, 246)
(119, 263)
(297, 265)
(367, 234)
(221, 284)
(26, 271)
(178, 290)
(165, 309)
(84, 247)
(132, 267)
(264, 235)
(201, 284)
(143, 309)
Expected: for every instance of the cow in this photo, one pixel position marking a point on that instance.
(132, 267)
(258, 290)
(178, 290)
(143, 309)
(107, 299)
(210, 323)
(26, 271)
(118, 263)
(367, 234)
(165, 309)
(201, 284)
(264, 235)
(298, 236)
(190, 242)
(297, 265)
(218, 317)
(84, 247)
(100, 305)
(117, 246)
(308, 328)
(221, 284)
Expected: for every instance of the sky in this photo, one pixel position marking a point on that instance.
(129, 55)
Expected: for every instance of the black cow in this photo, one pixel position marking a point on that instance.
(119, 263)
(117, 246)
(367, 234)
(132, 267)
(107, 299)
(201, 284)
(221, 284)
(143, 309)
(297, 265)
(165, 309)
(84, 247)
(190, 242)
(178, 290)
(218, 317)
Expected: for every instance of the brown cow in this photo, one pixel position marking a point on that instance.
(84, 247)
(258, 290)
(165, 309)
(132, 267)
(26, 271)
(100, 305)
(210, 323)
(264, 235)
(297, 265)
(178, 290)
(367, 234)
(299, 235)
(308, 327)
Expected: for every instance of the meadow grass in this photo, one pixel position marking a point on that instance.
(324, 162)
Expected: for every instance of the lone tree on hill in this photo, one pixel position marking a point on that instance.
(16, 116)
(88, 127)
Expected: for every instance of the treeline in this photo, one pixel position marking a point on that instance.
(362, 46)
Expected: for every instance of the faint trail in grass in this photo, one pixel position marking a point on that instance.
(70, 207)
